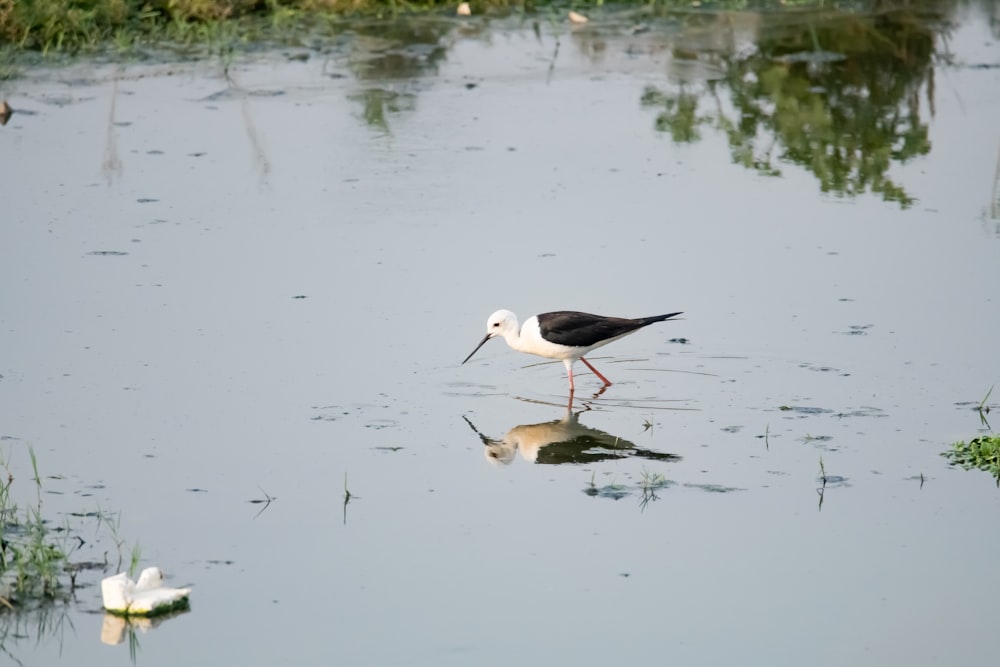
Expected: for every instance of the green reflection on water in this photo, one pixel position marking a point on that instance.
(842, 95)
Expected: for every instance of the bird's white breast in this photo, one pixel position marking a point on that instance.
(530, 340)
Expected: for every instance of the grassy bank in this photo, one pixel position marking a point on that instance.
(75, 26)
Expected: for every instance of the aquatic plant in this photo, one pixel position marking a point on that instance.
(982, 453)
(31, 559)
(35, 565)
(984, 409)
(652, 480)
(649, 484)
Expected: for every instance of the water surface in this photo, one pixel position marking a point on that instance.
(231, 281)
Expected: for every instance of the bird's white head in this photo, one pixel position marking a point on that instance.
(501, 323)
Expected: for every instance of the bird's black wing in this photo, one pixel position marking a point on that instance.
(567, 327)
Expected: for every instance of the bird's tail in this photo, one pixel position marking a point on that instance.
(658, 318)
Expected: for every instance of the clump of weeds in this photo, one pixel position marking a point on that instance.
(32, 560)
(982, 452)
(649, 484)
(35, 566)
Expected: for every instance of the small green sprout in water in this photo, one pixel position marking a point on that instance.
(134, 560)
(649, 484)
(985, 409)
(651, 480)
(34, 468)
(111, 522)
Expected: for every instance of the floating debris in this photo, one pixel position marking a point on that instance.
(612, 491)
(146, 597)
(577, 18)
(5, 112)
(464, 9)
(858, 330)
(863, 411)
(804, 409)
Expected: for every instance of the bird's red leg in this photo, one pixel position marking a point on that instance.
(569, 369)
(606, 381)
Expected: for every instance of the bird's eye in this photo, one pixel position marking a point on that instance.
(496, 324)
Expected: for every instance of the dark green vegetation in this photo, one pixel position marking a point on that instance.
(32, 560)
(92, 25)
(39, 566)
(184, 604)
(35, 566)
(97, 25)
(982, 453)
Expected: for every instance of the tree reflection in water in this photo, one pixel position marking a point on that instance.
(839, 94)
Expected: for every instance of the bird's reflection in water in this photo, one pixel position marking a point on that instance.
(564, 440)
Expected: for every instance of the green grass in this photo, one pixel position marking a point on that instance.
(982, 453)
(35, 557)
(651, 480)
(984, 410)
(33, 561)
(88, 26)
(649, 484)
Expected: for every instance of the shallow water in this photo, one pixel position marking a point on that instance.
(227, 284)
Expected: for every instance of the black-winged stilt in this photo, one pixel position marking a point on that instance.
(564, 334)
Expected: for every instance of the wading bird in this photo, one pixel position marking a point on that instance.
(564, 334)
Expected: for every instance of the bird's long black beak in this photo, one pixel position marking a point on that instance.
(481, 343)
